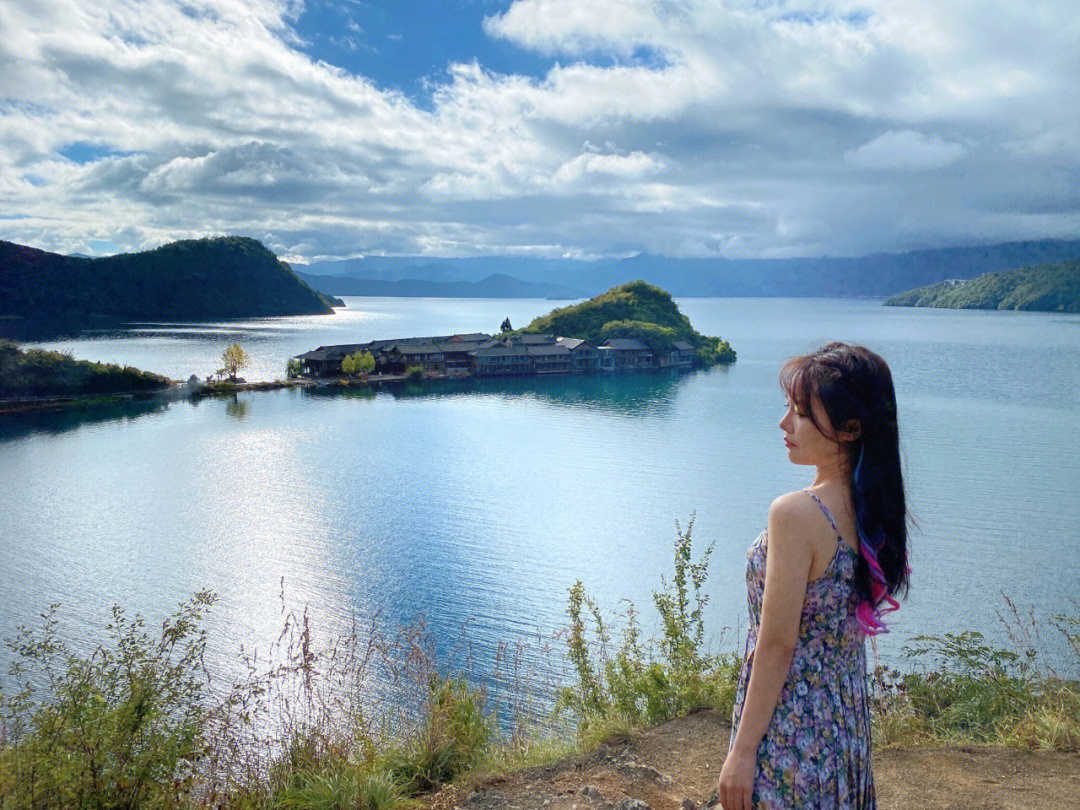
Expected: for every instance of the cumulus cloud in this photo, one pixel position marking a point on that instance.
(684, 128)
(905, 149)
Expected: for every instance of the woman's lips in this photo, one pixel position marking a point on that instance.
(789, 444)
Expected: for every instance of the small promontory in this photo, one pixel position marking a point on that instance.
(633, 310)
(194, 279)
(1040, 288)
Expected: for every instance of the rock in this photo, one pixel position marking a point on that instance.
(632, 804)
(688, 804)
(603, 751)
(633, 768)
(592, 792)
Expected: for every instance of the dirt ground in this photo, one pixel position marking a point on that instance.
(670, 766)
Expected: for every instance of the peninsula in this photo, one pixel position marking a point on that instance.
(195, 279)
(1041, 288)
(39, 373)
(634, 326)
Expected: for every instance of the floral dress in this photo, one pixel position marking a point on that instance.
(816, 751)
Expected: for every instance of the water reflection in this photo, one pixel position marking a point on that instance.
(236, 407)
(17, 425)
(630, 394)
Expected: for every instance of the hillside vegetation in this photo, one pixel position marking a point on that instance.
(1042, 288)
(632, 310)
(43, 373)
(196, 279)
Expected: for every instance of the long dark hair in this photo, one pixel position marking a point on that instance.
(856, 389)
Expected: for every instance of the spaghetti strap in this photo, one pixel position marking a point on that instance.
(825, 510)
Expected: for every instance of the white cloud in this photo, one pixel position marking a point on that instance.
(743, 128)
(904, 150)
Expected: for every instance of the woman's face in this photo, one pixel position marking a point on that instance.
(805, 443)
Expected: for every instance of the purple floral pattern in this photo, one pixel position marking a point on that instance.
(816, 751)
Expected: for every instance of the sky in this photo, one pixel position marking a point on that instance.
(549, 128)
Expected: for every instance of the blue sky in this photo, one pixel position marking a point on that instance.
(580, 128)
(409, 45)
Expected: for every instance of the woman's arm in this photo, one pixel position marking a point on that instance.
(787, 570)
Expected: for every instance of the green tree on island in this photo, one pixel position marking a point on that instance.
(358, 363)
(293, 368)
(234, 358)
(365, 363)
(506, 327)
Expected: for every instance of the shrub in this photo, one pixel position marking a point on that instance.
(414, 373)
(968, 691)
(121, 727)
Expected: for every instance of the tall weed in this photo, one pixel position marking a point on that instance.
(646, 682)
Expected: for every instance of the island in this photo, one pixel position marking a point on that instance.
(194, 279)
(633, 326)
(1051, 287)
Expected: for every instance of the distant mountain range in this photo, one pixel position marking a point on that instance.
(875, 275)
(1042, 288)
(198, 279)
(498, 285)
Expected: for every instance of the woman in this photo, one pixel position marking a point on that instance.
(819, 578)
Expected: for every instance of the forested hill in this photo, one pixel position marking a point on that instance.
(1043, 288)
(198, 279)
(633, 310)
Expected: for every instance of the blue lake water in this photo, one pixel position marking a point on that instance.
(478, 505)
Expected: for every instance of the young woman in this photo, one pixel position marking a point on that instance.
(819, 578)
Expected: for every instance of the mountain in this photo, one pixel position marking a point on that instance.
(633, 310)
(198, 279)
(494, 286)
(1043, 288)
(878, 274)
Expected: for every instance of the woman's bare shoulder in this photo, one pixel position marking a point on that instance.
(792, 505)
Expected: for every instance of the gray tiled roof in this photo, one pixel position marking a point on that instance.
(418, 348)
(500, 351)
(548, 351)
(683, 346)
(628, 344)
(573, 343)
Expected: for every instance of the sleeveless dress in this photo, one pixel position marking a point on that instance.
(816, 751)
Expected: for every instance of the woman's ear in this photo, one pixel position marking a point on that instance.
(849, 431)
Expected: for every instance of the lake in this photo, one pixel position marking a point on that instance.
(478, 504)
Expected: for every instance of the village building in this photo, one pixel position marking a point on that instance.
(583, 355)
(500, 359)
(630, 353)
(483, 355)
(550, 358)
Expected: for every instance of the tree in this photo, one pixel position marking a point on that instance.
(506, 327)
(234, 359)
(293, 368)
(348, 365)
(365, 364)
